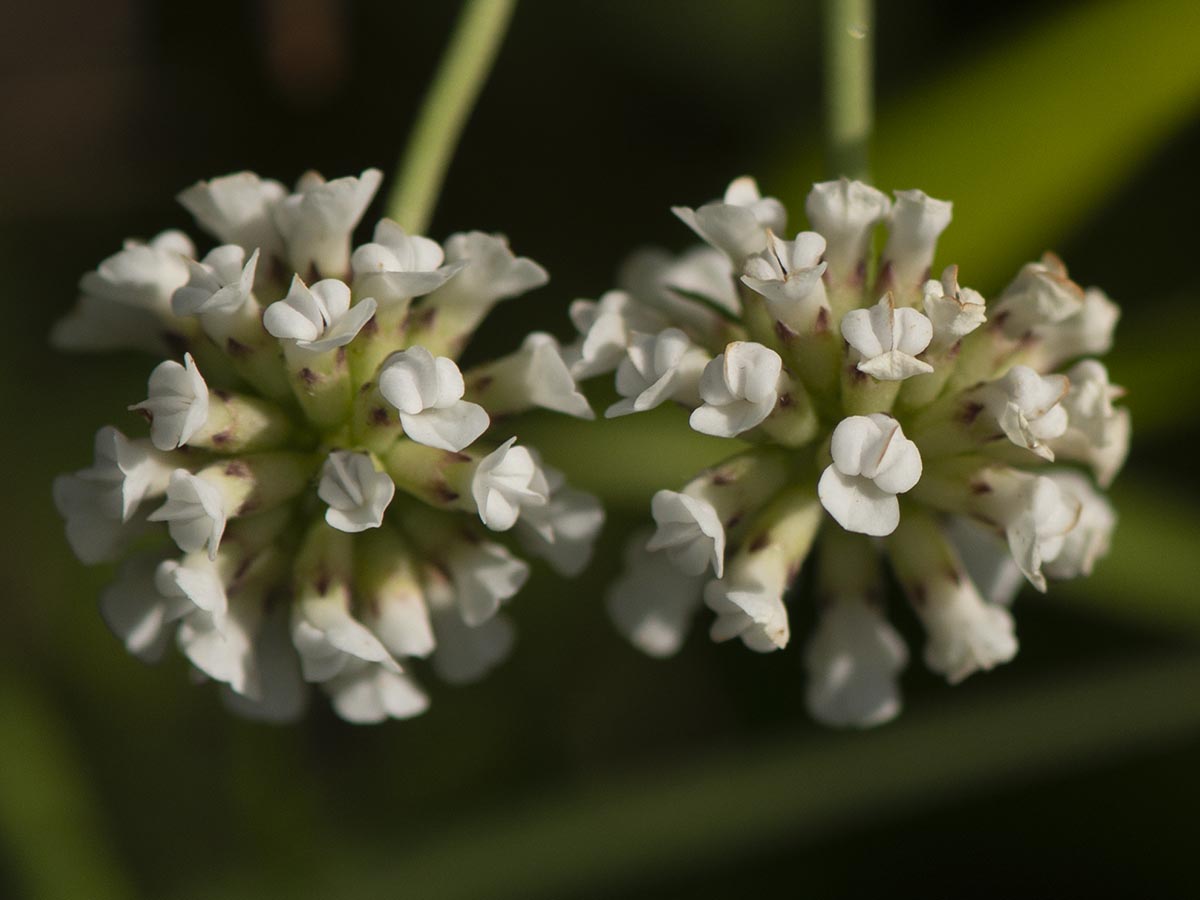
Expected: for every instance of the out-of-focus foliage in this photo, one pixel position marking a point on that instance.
(581, 769)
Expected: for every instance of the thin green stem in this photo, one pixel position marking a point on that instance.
(461, 74)
(849, 98)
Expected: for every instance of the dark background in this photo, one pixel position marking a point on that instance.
(579, 768)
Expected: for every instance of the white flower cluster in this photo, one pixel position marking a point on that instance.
(921, 419)
(340, 499)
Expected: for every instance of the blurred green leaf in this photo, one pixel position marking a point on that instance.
(1097, 96)
(730, 804)
(53, 835)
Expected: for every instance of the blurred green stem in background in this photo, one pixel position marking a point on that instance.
(849, 40)
(460, 77)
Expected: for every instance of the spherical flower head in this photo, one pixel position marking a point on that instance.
(357, 494)
(427, 391)
(740, 388)
(311, 506)
(319, 318)
(178, 403)
(872, 462)
(850, 381)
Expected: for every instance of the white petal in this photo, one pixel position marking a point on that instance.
(857, 504)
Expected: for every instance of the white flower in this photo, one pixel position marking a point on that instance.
(357, 494)
(672, 285)
(652, 603)
(143, 276)
(237, 209)
(178, 403)
(330, 640)
(1087, 332)
(484, 575)
(281, 693)
(1105, 459)
(1089, 540)
(740, 388)
(137, 612)
(853, 660)
(749, 603)
(223, 647)
(428, 393)
(965, 634)
(563, 531)
(99, 325)
(94, 534)
(194, 512)
(954, 312)
(536, 375)
(489, 270)
(738, 224)
(607, 326)
(846, 212)
(788, 275)
(987, 560)
(1089, 402)
(1041, 295)
(367, 693)
(1036, 515)
(872, 462)
(99, 502)
(1027, 407)
(319, 318)
(125, 472)
(916, 223)
(505, 481)
(657, 368)
(397, 265)
(397, 613)
(465, 652)
(690, 531)
(195, 579)
(888, 339)
(317, 219)
(221, 283)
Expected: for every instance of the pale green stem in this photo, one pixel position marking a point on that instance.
(461, 74)
(849, 100)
